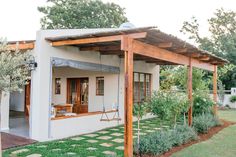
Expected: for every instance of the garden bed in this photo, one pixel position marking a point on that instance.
(202, 137)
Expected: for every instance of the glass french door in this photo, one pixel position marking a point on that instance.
(77, 94)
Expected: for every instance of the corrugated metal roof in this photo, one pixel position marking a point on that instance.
(154, 36)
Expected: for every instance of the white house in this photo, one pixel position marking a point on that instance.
(80, 74)
(88, 80)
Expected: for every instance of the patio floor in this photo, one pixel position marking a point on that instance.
(9, 141)
(107, 142)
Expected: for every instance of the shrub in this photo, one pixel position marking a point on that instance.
(159, 142)
(202, 103)
(204, 122)
(183, 134)
(233, 98)
(168, 104)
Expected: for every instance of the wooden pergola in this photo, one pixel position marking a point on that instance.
(143, 44)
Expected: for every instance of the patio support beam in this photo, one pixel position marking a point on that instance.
(97, 39)
(215, 89)
(190, 91)
(166, 55)
(126, 45)
(21, 46)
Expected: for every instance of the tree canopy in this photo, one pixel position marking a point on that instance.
(14, 68)
(221, 42)
(75, 14)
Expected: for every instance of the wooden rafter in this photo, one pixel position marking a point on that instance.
(181, 50)
(166, 55)
(97, 39)
(165, 45)
(204, 58)
(21, 46)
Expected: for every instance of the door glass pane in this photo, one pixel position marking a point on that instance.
(84, 91)
(73, 91)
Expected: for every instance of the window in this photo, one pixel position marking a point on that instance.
(142, 86)
(57, 85)
(100, 86)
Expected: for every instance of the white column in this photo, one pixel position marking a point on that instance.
(40, 93)
(5, 100)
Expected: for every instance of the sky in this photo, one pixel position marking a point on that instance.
(20, 19)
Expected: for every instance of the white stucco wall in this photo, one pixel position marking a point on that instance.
(42, 128)
(95, 103)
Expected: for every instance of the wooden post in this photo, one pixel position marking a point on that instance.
(128, 106)
(215, 89)
(190, 90)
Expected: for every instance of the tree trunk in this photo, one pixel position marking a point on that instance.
(175, 121)
(138, 130)
(0, 123)
(184, 118)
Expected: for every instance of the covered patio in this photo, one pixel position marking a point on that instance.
(143, 44)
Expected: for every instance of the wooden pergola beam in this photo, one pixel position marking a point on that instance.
(127, 46)
(166, 55)
(97, 39)
(101, 48)
(190, 91)
(215, 89)
(21, 46)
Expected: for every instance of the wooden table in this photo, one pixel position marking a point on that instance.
(67, 108)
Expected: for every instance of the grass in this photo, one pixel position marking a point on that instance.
(221, 145)
(229, 115)
(80, 145)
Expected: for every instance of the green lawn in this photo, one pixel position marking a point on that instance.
(229, 115)
(108, 142)
(222, 144)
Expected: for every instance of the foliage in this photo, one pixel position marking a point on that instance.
(233, 98)
(14, 68)
(178, 77)
(159, 142)
(221, 42)
(202, 103)
(202, 123)
(140, 109)
(168, 104)
(72, 14)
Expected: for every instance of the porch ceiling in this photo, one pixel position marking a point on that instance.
(152, 37)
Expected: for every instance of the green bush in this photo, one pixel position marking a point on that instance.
(168, 104)
(233, 98)
(202, 123)
(202, 103)
(183, 134)
(159, 142)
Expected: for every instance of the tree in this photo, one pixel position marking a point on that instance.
(221, 42)
(14, 70)
(177, 77)
(75, 14)
(139, 110)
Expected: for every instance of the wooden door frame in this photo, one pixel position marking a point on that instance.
(27, 91)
